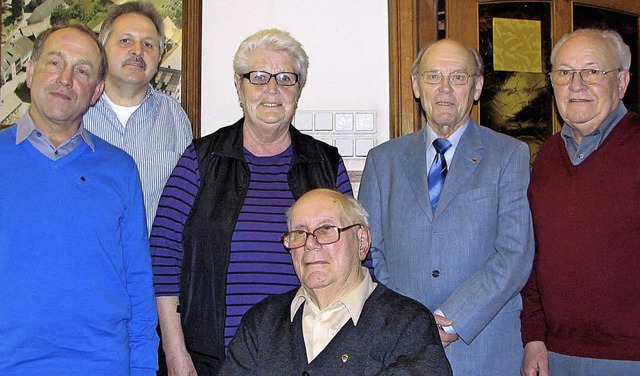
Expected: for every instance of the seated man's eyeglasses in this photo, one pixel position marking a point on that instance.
(589, 76)
(455, 78)
(324, 235)
(263, 78)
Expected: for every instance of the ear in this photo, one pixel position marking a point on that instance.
(237, 82)
(479, 83)
(30, 68)
(623, 82)
(414, 85)
(97, 92)
(364, 237)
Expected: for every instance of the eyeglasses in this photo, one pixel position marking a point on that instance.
(263, 78)
(589, 76)
(455, 78)
(324, 235)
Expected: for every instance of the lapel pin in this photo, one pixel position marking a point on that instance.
(474, 160)
(345, 357)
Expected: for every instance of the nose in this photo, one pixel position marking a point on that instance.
(576, 82)
(66, 76)
(445, 84)
(272, 85)
(311, 243)
(136, 48)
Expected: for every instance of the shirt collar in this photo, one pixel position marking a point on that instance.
(104, 100)
(26, 126)
(454, 139)
(353, 300)
(603, 129)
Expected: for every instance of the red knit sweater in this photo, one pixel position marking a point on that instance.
(583, 296)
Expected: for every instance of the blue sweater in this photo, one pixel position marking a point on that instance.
(76, 293)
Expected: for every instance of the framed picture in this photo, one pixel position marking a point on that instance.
(178, 74)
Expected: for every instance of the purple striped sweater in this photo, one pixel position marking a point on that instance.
(259, 265)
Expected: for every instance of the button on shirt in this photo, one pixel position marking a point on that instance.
(590, 143)
(27, 130)
(320, 326)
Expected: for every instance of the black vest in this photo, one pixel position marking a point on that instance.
(224, 181)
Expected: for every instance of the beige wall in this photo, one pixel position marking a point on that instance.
(348, 84)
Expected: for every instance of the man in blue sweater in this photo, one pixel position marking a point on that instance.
(76, 294)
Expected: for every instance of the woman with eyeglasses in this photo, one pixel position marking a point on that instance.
(216, 237)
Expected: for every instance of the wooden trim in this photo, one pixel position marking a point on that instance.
(402, 23)
(561, 24)
(407, 31)
(191, 61)
(632, 7)
(460, 15)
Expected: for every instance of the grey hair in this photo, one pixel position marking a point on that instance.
(352, 209)
(477, 59)
(272, 40)
(138, 7)
(611, 36)
(356, 212)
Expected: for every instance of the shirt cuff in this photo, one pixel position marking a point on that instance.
(447, 329)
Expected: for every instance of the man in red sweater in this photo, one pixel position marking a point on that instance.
(581, 312)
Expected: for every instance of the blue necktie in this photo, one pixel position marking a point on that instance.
(438, 171)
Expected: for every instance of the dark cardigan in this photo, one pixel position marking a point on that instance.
(395, 335)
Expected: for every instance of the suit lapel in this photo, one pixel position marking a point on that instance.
(415, 167)
(466, 160)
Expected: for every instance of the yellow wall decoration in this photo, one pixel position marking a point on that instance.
(517, 45)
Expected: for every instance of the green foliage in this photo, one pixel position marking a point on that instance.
(32, 5)
(173, 9)
(12, 12)
(79, 10)
(17, 8)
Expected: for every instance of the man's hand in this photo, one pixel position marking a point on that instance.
(180, 364)
(178, 360)
(445, 337)
(536, 359)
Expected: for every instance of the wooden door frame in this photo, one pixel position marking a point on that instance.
(413, 23)
(192, 61)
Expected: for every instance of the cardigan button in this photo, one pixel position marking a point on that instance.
(435, 273)
(305, 373)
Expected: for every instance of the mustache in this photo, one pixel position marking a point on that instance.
(136, 60)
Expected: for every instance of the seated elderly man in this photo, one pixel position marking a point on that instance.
(339, 322)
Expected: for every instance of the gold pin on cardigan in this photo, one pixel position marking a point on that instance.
(345, 357)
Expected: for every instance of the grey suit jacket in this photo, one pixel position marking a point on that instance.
(473, 255)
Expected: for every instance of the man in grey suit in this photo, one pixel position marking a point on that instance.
(458, 239)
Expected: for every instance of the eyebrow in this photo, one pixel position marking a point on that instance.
(130, 34)
(62, 54)
(590, 65)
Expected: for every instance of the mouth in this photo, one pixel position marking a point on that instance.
(271, 105)
(318, 262)
(61, 95)
(578, 100)
(444, 103)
